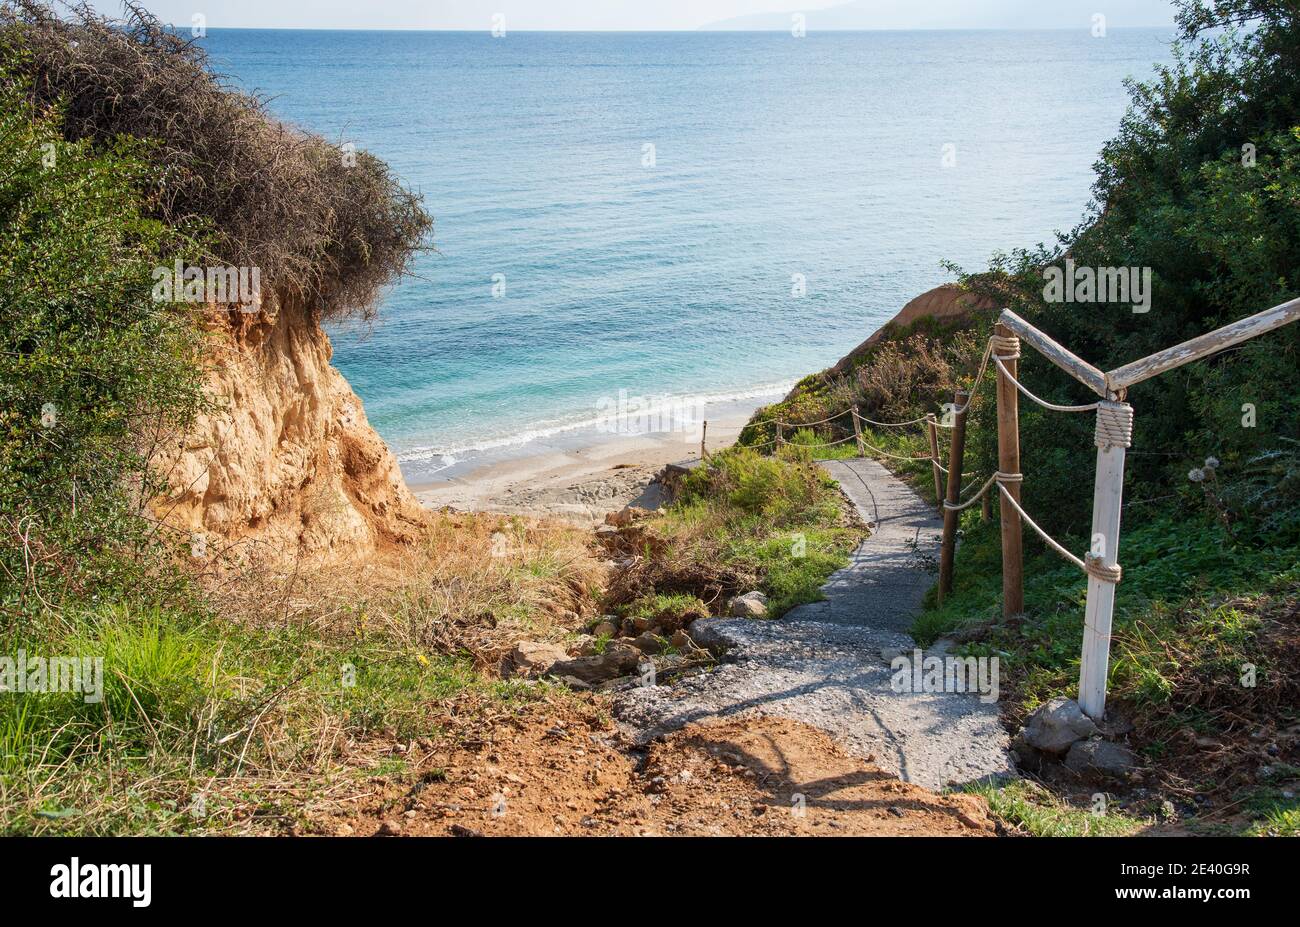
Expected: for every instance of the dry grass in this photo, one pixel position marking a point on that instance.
(471, 584)
(284, 691)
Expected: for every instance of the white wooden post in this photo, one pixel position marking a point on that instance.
(1114, 425)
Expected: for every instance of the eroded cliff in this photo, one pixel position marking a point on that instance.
(285, 463)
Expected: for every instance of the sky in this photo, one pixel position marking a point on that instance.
(649, 15)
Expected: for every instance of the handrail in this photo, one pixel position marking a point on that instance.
(1057, 353)
(1203, 345)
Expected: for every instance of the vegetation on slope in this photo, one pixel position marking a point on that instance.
(1200, 186)
(327, 224)
(743, 522)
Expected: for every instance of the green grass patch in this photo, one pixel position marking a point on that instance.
(745, 521)
(1035, 812)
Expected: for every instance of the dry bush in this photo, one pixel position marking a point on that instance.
(268, 195)
(901, 373)
(472, 584)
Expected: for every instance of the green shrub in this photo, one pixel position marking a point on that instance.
(754, 485)
(94, 374)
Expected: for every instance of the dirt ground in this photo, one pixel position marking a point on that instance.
(566, 770)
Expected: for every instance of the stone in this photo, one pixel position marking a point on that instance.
(390, 829)
(625, 516)
(618, 659)
(532, 658)
(707, 634)
(1101, 760)
(1054, 726)
(749, 605)
(1026, 757)
(604, 629)
(604, 532)
(648, 642)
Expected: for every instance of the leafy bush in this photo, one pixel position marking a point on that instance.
(94, 374)
(753, 485)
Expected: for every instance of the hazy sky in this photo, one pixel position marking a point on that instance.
(607, 14)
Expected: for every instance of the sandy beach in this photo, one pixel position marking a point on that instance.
(580, 479)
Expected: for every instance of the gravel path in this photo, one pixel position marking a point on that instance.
(827, 663)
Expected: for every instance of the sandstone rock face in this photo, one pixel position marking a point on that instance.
(287, 459)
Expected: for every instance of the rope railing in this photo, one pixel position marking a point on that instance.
(1090, 407)
(1113, 436)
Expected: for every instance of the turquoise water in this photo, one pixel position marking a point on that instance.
(772, 157)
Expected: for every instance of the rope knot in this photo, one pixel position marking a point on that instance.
(1006, 347)
(1009, 477)
(1114, 424)
(1094, 567)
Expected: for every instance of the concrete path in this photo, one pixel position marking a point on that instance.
(826, 663)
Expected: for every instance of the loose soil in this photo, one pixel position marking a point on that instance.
(566, 770)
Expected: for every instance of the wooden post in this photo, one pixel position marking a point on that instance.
(1107, 497)
(704, 437)
(857, 433)
(1013, 564)
(933, 427)
(986, 507)
(951, 518)
(780, 436)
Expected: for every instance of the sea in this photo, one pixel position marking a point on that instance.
(678, 222)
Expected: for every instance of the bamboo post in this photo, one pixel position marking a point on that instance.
(951, 517)
(932, 426)
(704, 437)
(857, 433)
(1114, 424)
(1013, 564)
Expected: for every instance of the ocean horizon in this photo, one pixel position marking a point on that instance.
(691, 219)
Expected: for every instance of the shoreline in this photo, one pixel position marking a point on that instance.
(581, 477)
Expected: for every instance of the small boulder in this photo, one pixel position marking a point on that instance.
(618, 659)
(1101, 760)
(648, 642)
(625, 516)
(604, 532)
(1056, 725)
(706, 633)
(532, 658)
(605, 628)
(749, 605)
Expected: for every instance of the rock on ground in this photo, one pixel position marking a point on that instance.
(749, 605)
(1057, 724)
(821, 663)
(1101, 761)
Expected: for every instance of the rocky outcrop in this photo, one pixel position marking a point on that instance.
(286, 462)
(945, 302)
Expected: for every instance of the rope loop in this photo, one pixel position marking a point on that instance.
(1114, 424)
(1009, 477)
(1094, 567)
(1006, 347)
